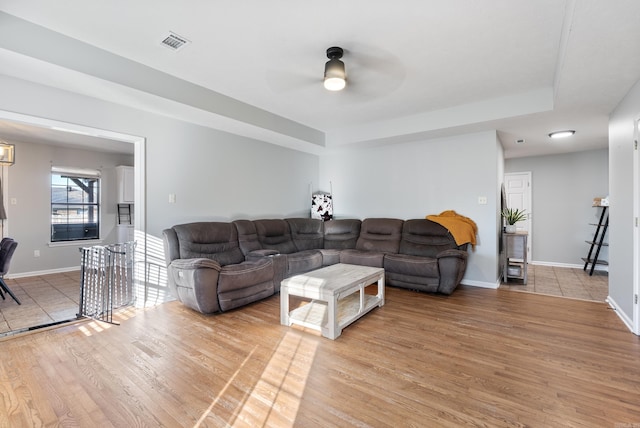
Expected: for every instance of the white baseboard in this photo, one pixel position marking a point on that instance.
(623, 316)
(42, 272)
(481, 284)
(603, 268)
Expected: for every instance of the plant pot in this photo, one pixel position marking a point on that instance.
(510, 228)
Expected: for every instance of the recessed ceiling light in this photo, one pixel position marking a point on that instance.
(562, 134)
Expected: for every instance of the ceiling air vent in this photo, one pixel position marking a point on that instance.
(174, 41)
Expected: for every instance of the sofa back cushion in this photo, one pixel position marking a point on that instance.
(380, 234)
(247, 236)
(211, 240)
(274, 234)
(307, 233)
(341, 234)
(422, 237)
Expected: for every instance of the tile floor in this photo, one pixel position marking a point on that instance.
(48, 299)
(561, 281)
(45, 299)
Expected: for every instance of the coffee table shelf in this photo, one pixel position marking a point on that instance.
(314, 314)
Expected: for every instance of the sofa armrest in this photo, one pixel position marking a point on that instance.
(452, 253)
(279, 263)
(195, 283)
(451, 265)
(195, 264)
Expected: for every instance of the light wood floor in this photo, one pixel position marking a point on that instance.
(480, 357)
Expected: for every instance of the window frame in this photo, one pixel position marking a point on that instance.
(76, 179)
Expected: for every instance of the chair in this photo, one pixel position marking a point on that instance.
(7, 248)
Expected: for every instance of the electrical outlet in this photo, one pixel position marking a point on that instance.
(172, 198)
(482, 200)
(36, 253)
(14, 201)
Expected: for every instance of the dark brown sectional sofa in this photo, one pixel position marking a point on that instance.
(218, 266)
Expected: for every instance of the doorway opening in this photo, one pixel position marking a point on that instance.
(69, 135)
(517, 186)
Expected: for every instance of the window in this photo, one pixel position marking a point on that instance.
(75, 204)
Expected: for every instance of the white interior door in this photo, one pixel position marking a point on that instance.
(517, 187)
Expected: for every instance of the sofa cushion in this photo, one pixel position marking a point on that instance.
(422, 237)
(411, 265)
(330, 256)
(420, 283)
(303, 261)
(342, 233)
(275, 234)
(380, 234)
(212, 240)
(306, 233)
(362, 258)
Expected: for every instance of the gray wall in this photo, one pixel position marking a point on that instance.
(621, 188)
(29, 181)
(416, 179)
(563, 188)
(220, 176)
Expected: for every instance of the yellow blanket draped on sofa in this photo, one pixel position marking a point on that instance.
(462, 228)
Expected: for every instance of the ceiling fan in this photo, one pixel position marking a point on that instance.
(371, 73)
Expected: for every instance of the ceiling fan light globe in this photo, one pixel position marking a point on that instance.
(334, 75)
(334, 84)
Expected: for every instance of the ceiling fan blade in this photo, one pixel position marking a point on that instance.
(281, 81)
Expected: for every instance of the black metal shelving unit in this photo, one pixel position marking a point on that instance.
(597, 243)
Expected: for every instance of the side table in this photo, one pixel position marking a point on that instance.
(515, 250)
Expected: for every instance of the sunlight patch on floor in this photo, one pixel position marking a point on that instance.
(275, 398)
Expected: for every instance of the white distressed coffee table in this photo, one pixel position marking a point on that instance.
(337, 297)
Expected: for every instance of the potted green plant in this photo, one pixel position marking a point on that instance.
(512, 216)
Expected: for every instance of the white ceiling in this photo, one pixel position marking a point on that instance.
(15, 130)
(416, 69)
